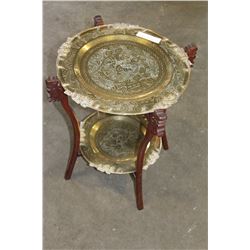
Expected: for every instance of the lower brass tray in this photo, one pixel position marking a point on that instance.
(110, 142)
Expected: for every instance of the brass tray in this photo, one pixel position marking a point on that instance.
(111, 69)
(110, 142)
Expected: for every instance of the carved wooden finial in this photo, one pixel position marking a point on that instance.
(54, 89)
(156, 122)
(191, 51)
(98, 20)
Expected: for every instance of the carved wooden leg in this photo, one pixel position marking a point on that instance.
(165, 141)
(164, 134)
(56, 93)
(76, 140)
(139, 164)
(155, 127)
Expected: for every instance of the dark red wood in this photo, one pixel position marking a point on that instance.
(191, 51)
(155, 127)
(56, 93)
(98, 20)
(165, 141)
(139, 164)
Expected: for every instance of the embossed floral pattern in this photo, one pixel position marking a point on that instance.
(119, 139)
(123, 68)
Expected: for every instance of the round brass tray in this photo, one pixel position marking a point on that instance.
(110, 69)
(110, 142)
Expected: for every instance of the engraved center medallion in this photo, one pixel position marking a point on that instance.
(123, 68)
(119, 138)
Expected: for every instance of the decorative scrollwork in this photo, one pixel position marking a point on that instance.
(54, 89)
(124, 68)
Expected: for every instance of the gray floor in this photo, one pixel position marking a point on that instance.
(97, 211)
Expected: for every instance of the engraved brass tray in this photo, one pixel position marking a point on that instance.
(110, 69)
(110, 142)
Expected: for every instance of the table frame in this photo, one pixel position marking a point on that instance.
(155, 125)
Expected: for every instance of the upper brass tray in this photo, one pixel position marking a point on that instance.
(110, 69)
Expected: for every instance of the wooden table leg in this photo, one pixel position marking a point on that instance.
(165, 141)
(56, 93)
(155, 127)
(139, 164)
(164, 134)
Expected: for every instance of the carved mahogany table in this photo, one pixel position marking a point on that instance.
(130, 75)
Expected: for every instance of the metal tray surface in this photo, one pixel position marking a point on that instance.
(110, 142)
(110, 69)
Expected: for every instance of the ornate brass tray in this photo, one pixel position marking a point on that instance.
(110, 142)
(111, 69)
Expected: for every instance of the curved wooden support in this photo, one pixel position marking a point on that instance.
(191, 51)
(76, 142)
(155, 127)
(139, 164)
(165, 141)
(56, 93)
